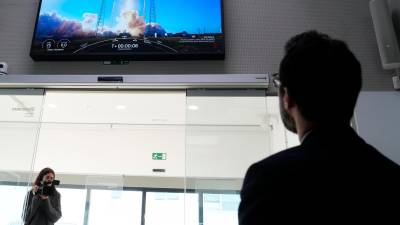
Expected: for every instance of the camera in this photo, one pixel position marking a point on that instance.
(46, 188)
(3, 68)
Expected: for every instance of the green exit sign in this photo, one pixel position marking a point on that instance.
(159, 156)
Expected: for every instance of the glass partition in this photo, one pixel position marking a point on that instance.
(137, 157)
(220, 209)
(112, 149)
(280, 137)
(20, 115)
(73, 203)
(227, 131)
(115, 207)
(169, 208)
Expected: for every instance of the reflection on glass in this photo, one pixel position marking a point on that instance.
(73, 206)
(218, 132)
(20, 112)
(227, 131)
(217, 129)
(280, 137)
(12, 198)
(172, 208)
(220, 209)
(115, 207)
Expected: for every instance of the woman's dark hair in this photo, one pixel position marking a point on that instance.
(322, 76)
(41, 174)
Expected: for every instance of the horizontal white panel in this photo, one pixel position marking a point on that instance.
(226, 110)
(165, 81)
(135, 107)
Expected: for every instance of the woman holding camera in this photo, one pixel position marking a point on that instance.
(42, 204)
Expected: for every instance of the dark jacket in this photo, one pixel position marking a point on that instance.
(42, 212)
(333, 174)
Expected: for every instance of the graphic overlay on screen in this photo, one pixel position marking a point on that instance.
(128, 29)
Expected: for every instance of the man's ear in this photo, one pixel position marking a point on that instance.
(288, 102)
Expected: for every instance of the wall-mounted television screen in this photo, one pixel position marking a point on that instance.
(128, 30)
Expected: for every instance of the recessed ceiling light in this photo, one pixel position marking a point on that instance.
(120, 107)
(193, 107)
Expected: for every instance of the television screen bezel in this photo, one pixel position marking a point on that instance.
(128, 57)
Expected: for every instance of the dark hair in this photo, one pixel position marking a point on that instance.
(322, 76)
(43, 173)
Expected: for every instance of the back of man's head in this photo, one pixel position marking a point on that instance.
(322, 76)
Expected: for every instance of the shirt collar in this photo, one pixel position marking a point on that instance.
(305, 136)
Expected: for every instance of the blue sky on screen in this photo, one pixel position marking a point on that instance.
(193, 16)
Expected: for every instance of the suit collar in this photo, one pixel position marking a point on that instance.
(330, 135)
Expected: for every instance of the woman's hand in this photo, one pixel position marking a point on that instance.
(35, 188)
(43, 197)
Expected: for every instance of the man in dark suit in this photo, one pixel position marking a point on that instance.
(333, 176)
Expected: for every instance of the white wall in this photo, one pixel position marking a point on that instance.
(378, 121)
